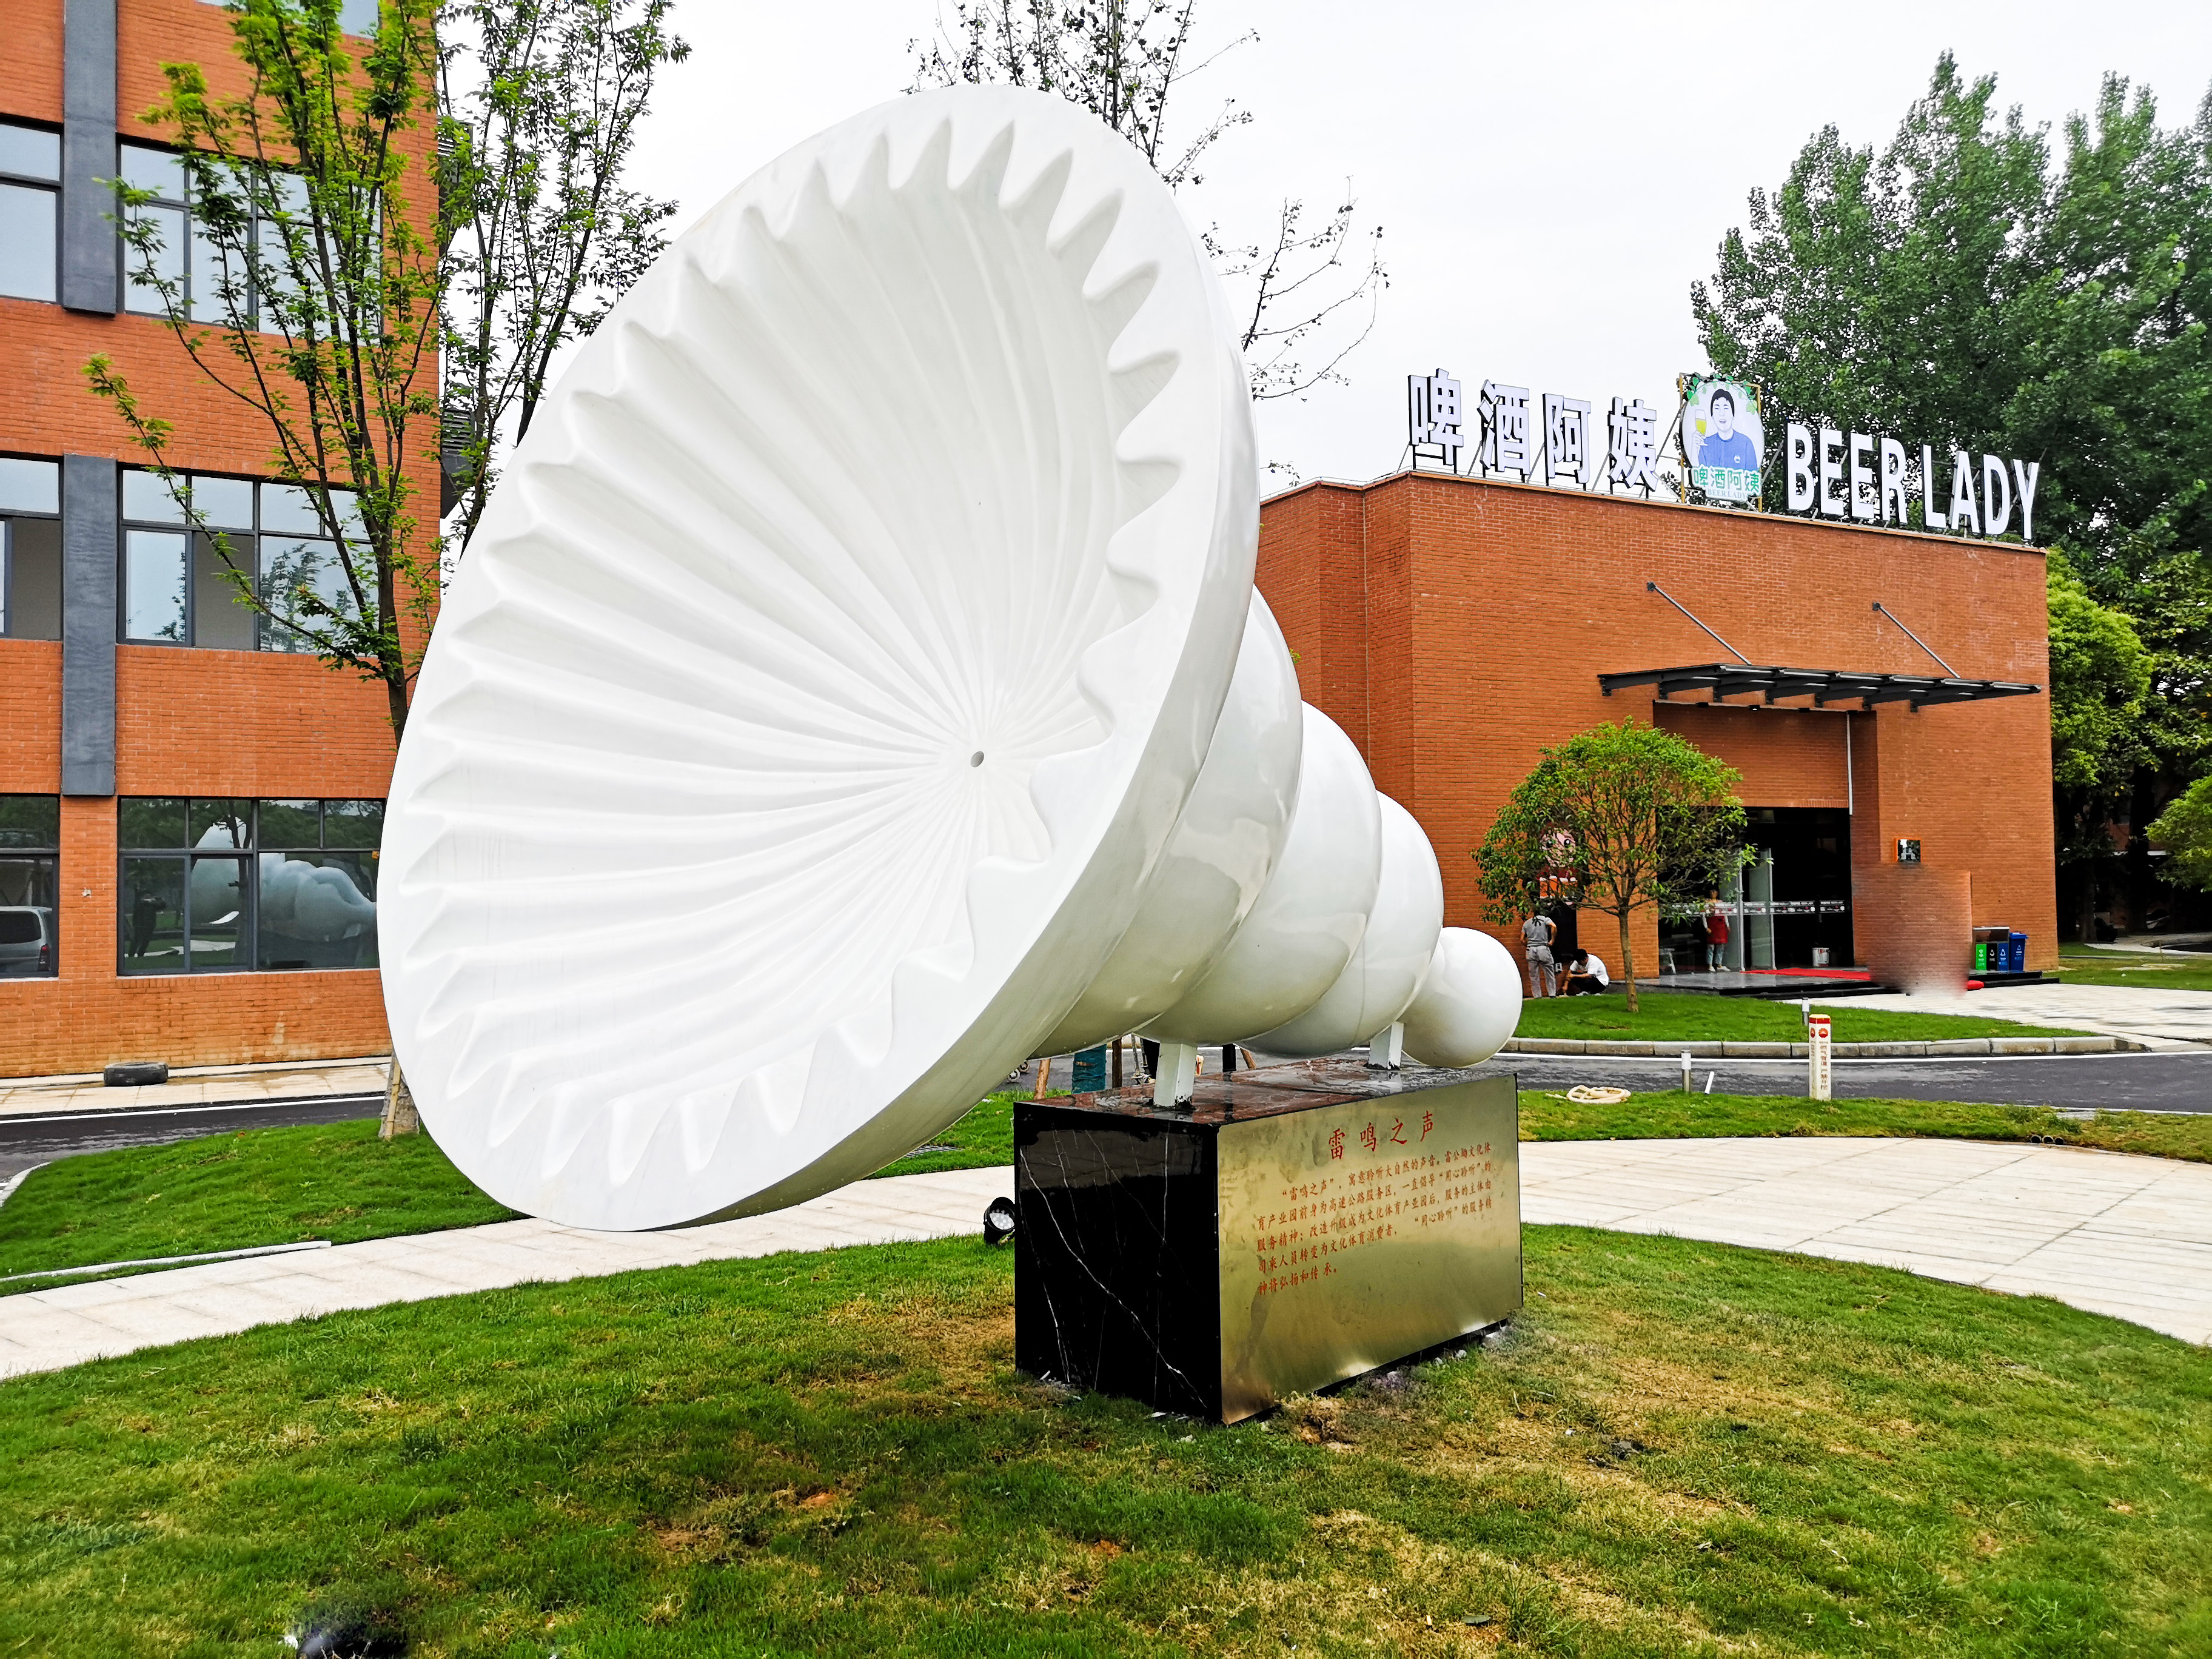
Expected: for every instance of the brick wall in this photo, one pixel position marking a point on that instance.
(188, 721)
(31, 88)
(1456, 628)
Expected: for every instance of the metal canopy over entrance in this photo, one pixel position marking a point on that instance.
(1723, 680)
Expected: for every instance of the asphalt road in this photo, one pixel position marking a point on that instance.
(2176, 1082)
(25, 1141)
(2161, 1082)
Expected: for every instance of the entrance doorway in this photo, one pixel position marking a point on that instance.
(1790, 906)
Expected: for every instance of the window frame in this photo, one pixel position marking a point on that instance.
(250, 855)
(8, 517)
(187, 208)
(52, 188)
(344, 501)
(51, 855)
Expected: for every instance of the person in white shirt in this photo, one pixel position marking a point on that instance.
(1586, 976)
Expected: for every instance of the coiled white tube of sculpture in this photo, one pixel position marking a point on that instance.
(856, 686)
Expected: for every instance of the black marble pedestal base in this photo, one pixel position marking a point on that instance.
(1293, 1226)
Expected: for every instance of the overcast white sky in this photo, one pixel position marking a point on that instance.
(1550, 178)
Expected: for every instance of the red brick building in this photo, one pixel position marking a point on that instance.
(160, 748)
(1455, 626)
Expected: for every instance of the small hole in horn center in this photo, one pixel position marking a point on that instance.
(976, 759)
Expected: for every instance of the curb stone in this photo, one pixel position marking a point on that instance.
(1941, 1048)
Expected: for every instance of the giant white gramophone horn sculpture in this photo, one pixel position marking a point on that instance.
(857, 686)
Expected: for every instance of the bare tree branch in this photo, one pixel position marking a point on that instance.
(1121, 60)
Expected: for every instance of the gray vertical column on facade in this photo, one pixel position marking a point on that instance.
(90, 526)
(91, 254)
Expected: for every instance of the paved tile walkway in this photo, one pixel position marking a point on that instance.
(2129, 1236)
(46, 1330)
(2106, 1231)
(2161, 1019)
(202, 1085)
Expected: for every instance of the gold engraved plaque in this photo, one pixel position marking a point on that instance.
(1356, 1233)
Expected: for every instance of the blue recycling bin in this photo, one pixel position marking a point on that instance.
(2016, 954)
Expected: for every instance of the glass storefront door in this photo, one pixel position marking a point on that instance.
(1790, 906)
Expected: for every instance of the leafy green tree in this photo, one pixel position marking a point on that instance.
(1974, 285)
(2100, 676)
(314, 302)
(1639, 819)
(2185, 828)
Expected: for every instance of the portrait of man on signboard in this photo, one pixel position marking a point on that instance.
(1722, 437)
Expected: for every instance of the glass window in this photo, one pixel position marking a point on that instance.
(31, 579)
(222, 619)
(287, 507)
(215, 915)
(151, 928)
(171, 599)
(29, 486)
(30, 152)
(29, 241)
(30, 902)
(353, 824)
(222, 503)
(290, 571)
(316, 910)
(30, 212)
(222, 824)
(210, 275)
(355, 16)
(146, 271)
(146, 166)
(298, 892)
(154, 592)
(32, 823)
(152, 821)
(286, 824)
(30, 548)
(148, 499)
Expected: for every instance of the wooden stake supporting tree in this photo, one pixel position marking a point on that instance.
(1634, 817)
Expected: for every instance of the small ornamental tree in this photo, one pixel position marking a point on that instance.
(1635, 817)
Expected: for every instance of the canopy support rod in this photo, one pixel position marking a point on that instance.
(1915, 638)
(1654, 588)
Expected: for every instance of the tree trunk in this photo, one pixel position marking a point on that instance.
(1627, 962)
(400, 1117)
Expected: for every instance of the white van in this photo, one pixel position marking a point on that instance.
(27, 941)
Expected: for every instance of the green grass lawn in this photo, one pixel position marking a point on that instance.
(339, 1181)
(1665, 1115)
(228, 1192)
(2080, 966)
(985, 1136)
(334, 1181)
(1681, 1017)
(1681, 1449)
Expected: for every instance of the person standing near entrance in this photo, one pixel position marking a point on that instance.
(1536, 935)
(1717, 932)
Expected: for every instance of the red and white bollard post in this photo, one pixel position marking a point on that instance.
(1818, 1054)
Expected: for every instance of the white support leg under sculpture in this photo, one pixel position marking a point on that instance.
(1386, 1049)
(1177, 1077)
(774, 787)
